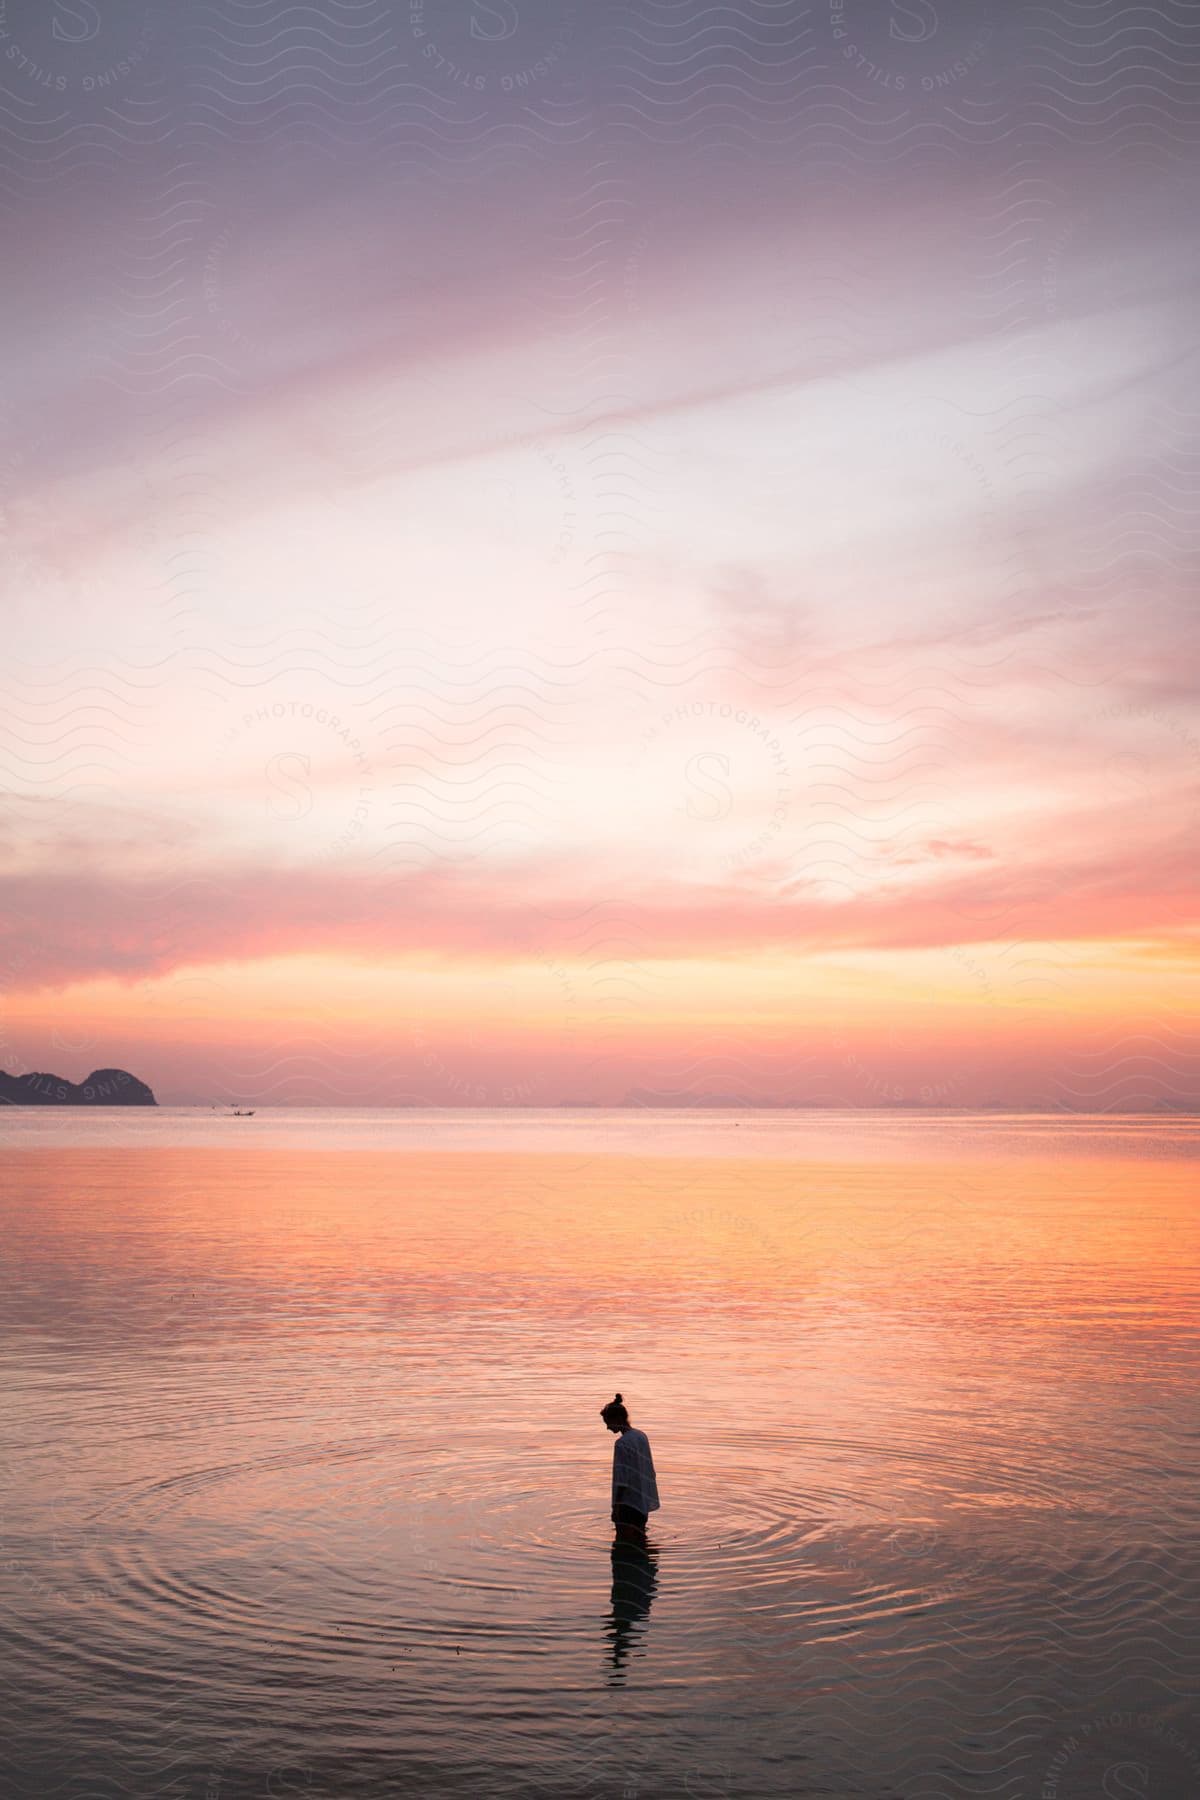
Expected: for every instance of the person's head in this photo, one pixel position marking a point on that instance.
(614, 1414)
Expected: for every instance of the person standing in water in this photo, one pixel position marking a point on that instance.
(634, 1486)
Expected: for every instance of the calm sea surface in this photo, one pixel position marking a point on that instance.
(305, 1492)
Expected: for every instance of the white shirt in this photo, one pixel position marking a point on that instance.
(633, 1470)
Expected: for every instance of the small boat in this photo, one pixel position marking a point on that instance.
(239, 1114)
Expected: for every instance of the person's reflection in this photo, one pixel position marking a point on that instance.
(634, 1580)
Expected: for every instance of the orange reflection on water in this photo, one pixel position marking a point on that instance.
(754, 1226)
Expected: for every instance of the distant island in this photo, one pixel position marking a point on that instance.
(658, 1098)
(103, 1087)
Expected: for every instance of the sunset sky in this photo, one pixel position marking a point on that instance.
(552, 550)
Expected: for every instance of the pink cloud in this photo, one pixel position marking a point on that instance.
(59, 929)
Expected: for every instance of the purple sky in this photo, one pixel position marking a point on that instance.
(551, 549)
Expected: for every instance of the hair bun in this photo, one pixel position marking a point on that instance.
(618, 1396)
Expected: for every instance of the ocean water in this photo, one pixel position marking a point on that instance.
(304, 1489)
